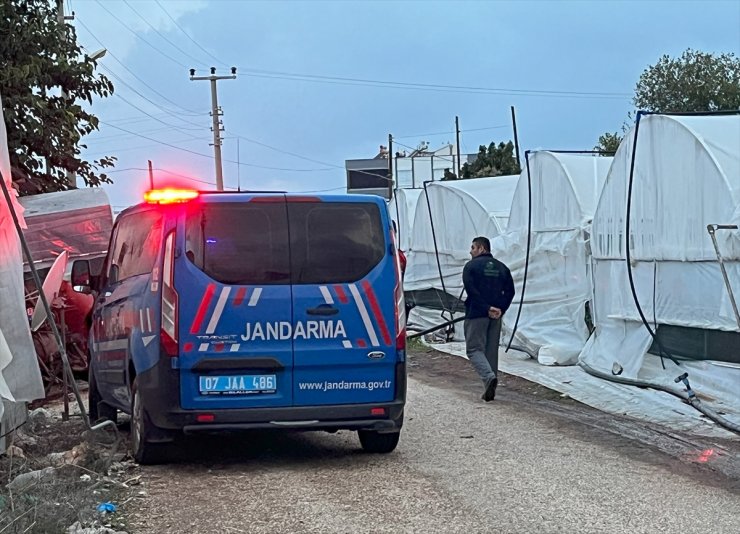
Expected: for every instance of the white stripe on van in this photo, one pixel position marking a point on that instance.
(327, 296)
(219, 310)
(235, 347)
(347, 344)
(364, 315)
(142, 325)
(203, 347)
(116, 344)
(149, 319)
(255, 296)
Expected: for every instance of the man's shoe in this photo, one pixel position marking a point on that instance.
(490, 392)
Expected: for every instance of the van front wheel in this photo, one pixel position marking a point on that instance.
(375, 442)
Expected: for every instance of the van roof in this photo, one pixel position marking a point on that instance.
(231, 196)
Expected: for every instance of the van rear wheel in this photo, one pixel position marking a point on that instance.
(142, 449)
(375, 442)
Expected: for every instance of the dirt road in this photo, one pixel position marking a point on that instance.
(529, 462)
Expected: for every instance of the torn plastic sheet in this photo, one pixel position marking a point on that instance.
(640, 403)
(78, 221)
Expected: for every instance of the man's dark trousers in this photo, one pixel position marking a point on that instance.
(482, 337)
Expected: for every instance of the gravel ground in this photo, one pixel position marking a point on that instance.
(528, 462)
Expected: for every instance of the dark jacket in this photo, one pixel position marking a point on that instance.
(487, 282)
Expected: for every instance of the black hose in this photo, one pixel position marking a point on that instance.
(526, 259)
(435, 328)
(436, 251)
(691, 400)
(628, 225)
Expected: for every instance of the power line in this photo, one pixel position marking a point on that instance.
(287, 152)
(210, 156)
(139, 36)
(138, 147)
(164, 97)
(188, 35)
(197, 61)
(452, 132)
(153, 117)
(121, 135)
(337, 80)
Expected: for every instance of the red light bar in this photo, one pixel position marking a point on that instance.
(170, 196)
(205, 418)
(377, 411)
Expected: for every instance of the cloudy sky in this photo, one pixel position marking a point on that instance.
(321, 82)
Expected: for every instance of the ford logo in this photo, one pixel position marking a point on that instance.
(376, 355)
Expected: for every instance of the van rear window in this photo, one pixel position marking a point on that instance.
(334, 242)
(271, 243)
(240, 244)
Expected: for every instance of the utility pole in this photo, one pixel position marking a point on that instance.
(390, 166)
(516, 138)
(238, 166)
(61, 18)
(151, 175)
(457, 144)
(217, 124)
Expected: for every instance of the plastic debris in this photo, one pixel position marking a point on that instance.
(107, 507)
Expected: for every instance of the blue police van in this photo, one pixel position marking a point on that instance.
(236, 311)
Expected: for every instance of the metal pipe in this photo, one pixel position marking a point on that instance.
(712, 229)
(44, 301)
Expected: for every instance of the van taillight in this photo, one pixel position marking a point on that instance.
(168, 333)
(399, 298)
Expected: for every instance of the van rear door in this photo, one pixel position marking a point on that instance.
(343, 274)
(235, 317)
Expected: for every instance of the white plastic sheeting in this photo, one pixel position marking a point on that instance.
(565, 190)
(640, 403)
(402, 210)
(460, 211)
(686, 176)
(20, 379)
(78, 221)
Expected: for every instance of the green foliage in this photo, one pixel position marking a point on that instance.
(492, 161)
(697, 81)
(609, 143)
(39, 58)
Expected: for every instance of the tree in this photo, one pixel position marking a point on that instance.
(38, 59)
(492, 161)
(696, 81)
(609, 143)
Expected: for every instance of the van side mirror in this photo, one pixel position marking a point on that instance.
(81, 280)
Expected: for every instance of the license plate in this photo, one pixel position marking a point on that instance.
(237, 384)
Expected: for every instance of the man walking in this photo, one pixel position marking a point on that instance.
(490, 290)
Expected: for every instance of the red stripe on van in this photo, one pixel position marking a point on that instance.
(202, 309)
(240, 294)
(341, 294)
(376, 311)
